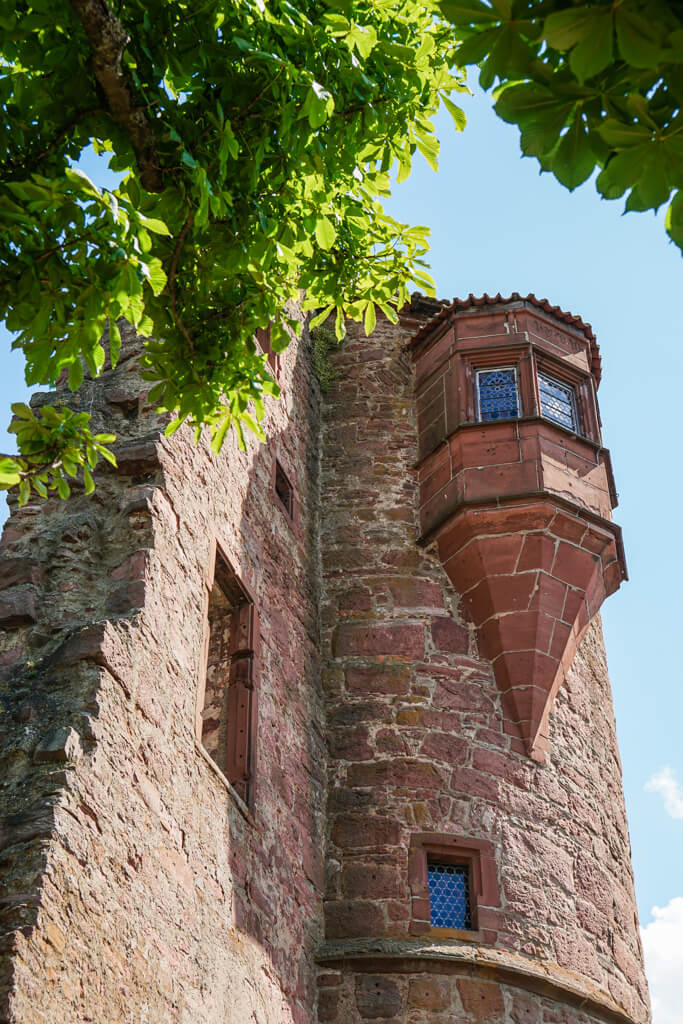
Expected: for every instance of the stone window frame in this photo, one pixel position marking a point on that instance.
(477, 391)
(484, 890)
(292, 511)
(218, 554)
(262, 338)
(569, 395)
(527, 360)
(583, 386)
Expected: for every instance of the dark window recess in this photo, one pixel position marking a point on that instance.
(558, 402)
(449, 895)
(284, 490)
(497, 394)
(263, 339)
(227, 714)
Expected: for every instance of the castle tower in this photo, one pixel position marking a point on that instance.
(478, 859)
(322, 731)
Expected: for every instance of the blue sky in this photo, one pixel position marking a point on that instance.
(497, 225)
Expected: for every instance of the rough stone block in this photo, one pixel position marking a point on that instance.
(18, 608)
(377, 997)
(59, 746)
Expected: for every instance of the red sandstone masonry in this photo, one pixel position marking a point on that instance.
(133, 884)
(436, 752)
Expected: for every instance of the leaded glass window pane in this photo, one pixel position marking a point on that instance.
(557, 401)
(497, 394)
(449, 895)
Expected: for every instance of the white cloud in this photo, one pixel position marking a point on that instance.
(663, 945)
(665, 783)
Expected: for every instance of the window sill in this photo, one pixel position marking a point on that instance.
(455, 934)
(232, 792)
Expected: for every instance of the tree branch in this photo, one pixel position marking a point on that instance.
(108, 40)
(30, 162)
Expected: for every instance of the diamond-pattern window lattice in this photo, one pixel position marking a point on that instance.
(449, 895)
(498, 398)
(557, 401)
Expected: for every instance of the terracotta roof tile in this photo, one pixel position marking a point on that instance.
(479, 302)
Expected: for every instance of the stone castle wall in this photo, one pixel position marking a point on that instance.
(420, 747)
(136, 887)
(133, 885)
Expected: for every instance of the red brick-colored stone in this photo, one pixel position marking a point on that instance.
(482, 1001)
(377, 997)
(405, 640)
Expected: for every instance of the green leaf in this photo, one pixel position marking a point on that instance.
(173, 425)
(63, 489)
(467, 12)
(158, 227)
(156, 275)
(674, 219)
(321, 316)
(620, 135)
(635, 41)
(9, 472)
(564, 29)
(456, 113)
(594, 52)
(114, 342)
(75, 374)
(318, 105)
(370, 318)
(219, 437)
(540, 114)
(22, 410)
(325, 232)
(574, 159)
(88, 480)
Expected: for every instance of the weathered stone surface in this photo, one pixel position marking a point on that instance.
(163, 902)
(136, 886)
(58, 746)
(377, 998)
(441, 753)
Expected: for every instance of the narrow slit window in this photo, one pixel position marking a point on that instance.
(264, 342)
(228, 705)
(497, 394)
(558, 401)
(449, 895)
(284, 490)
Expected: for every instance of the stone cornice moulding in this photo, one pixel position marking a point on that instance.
(545, 979)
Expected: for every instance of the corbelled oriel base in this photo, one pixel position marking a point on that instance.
(532, 575)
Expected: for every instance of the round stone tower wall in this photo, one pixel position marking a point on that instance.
(423, 757)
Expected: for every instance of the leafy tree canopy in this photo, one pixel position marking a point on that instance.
(589, 84)
(256, 141)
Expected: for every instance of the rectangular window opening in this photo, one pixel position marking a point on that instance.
(449, 895)
(497, 394)
(228, 706)
(558, 401)
(284, 490)
(264, 343)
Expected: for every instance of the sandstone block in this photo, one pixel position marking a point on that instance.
(377, 997)
(59, 746)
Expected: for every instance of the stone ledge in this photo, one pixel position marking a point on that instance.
(402, 956)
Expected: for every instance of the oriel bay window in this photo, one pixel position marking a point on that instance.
(530, 387)
(226, 704)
